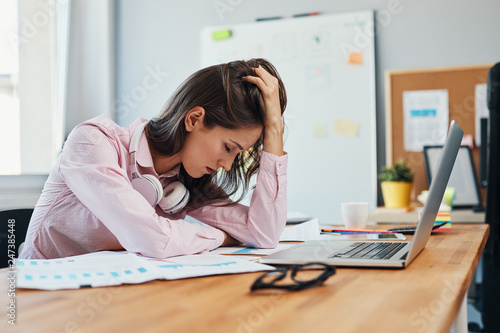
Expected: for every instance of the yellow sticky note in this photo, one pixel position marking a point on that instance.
(355, 58)
(346, 128)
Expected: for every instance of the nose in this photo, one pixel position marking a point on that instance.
(225, 164)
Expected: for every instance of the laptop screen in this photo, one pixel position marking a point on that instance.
(462, 179)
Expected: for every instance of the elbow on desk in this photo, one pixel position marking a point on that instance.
(268, 244)
(265, 241)
(266, 238)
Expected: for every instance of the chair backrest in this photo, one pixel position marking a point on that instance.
(493, 188)
(13, 228)
(491, 255)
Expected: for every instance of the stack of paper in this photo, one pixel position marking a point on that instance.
(300, 227)
(308, 230)
(440, 218)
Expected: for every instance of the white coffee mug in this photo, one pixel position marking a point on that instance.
(355, 214)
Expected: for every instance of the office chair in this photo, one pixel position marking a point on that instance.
(491, 257)
(13, 228)
(487, 301)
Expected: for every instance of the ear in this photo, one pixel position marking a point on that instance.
(194, 118)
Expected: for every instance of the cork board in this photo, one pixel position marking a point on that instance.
(460, 83)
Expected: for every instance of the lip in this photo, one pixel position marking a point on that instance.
(210, 170)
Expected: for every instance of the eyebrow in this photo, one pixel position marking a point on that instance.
(236, 143)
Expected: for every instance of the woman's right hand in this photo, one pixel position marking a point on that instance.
(269, 87)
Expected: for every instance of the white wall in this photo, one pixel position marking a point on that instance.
(158, 46)
(164, 36)
(90, 63)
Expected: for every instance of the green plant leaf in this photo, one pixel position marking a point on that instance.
(400, 172)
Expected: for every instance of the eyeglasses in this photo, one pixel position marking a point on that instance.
(303, 277)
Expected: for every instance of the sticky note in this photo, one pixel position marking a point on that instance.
(320, 130)
(440, 218)
(355, 58)
(346, 128)
(221, 34)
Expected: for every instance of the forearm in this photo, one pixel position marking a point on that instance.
(273, 138)
(260, 224)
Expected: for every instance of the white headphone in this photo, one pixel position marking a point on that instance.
(171, 199)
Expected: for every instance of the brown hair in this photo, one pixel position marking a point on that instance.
(229, 102)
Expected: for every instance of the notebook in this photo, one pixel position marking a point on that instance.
(380, 253)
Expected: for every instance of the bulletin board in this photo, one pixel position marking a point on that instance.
(460, 82)
(326, 62)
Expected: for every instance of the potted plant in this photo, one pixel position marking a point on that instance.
(396, 184)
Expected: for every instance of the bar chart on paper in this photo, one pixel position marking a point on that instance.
(109, 268)
(96, 270)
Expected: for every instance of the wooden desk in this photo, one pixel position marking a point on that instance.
(425, 297)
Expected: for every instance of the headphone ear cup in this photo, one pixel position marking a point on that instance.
(175, 197)
(149, 187)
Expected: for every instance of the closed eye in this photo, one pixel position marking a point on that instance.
(227, 148)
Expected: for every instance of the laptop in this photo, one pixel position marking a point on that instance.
(398, 254)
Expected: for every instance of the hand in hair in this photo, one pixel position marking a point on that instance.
(273, 125)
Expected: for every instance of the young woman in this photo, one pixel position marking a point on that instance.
(130, 188)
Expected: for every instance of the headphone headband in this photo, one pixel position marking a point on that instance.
(132, 149)
(171, 199)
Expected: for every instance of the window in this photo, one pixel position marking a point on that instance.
(32, 84)
(9, 99)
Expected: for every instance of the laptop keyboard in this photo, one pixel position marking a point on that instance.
(361, 250)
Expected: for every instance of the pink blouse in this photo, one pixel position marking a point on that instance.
(88, 203)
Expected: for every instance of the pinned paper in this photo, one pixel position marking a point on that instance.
(425, 118)
(320, 129)
(346, 128)
(355, 58)
(481, 108)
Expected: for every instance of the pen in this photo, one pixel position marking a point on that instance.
(306, 14)
(353, 233)
(268, 18)
(358, 231)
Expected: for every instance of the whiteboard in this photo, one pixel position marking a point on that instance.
(327, 65)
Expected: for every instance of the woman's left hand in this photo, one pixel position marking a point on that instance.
(269, 87)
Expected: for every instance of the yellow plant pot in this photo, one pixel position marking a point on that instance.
(396, 194)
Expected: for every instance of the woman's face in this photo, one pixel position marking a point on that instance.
(206, 150)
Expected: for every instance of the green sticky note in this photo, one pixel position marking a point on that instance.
(221, 34)
(449, 196)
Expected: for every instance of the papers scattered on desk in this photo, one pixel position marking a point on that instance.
(92, 270)
(204, 264)
(242, 250)
(116, 268)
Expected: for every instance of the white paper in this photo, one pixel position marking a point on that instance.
(481, 109)
(305, 231)
(243, 250)
(205, 264)
(115, 268)
(246, 257)
(92, 270)
(425, 116)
